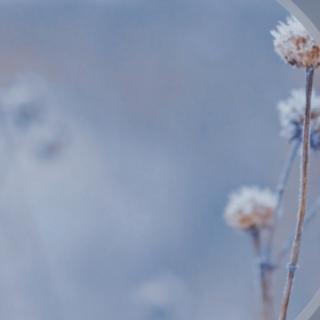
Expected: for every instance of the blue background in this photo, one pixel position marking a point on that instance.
(170, 106)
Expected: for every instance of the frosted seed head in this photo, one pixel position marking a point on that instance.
(250, 207)
(295, 45)
(291, 114)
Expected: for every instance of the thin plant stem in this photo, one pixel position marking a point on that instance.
(265, 277)
(266, 265)
(295, 250)
(279, 195)
(256, 241)
(309, 217)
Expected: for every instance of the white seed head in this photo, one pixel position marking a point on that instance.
(295, 45)
(291, 113)
(250, 207)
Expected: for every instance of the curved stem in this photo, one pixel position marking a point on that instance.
(280, 193)
(309, 217)
(285, 176)
(295, 250)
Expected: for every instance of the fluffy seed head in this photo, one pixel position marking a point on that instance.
(295, 45)
(291, 113)
(250, 207)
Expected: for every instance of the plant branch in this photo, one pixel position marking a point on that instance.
(279, 195)
(309, 217)
(295, 250)
(265, 277)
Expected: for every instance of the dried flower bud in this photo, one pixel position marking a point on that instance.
(295, 45)
(291, 112)
(249, 208)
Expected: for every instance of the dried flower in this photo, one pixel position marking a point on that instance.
(291, 112)
(295, 45)
(249, 208)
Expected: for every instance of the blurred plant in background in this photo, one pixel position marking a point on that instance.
(162, 296)
(292, 114)
(29, 119)
(31, 129)
(251, 210)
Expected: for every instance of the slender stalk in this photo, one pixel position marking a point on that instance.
(295, 250)
(285, 176)
(309, 217)
(265, 277)
(265, 266)
(279, 194)
(256, 241)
